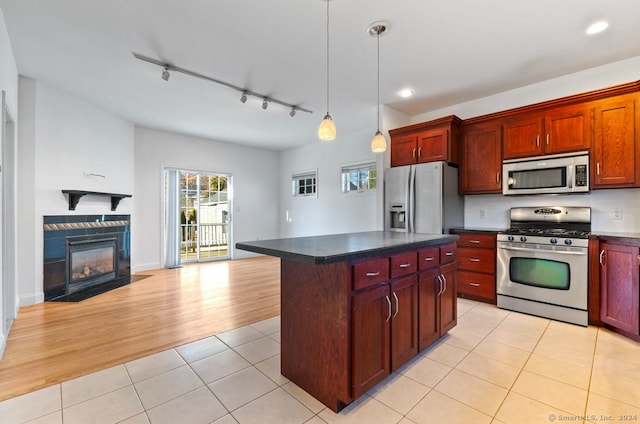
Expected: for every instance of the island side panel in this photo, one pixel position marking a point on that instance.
(315, 349)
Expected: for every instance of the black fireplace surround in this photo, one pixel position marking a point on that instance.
(85, 254)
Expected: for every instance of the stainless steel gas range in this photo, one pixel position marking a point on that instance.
(542, 263)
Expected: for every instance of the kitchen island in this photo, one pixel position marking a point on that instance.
(355, 307)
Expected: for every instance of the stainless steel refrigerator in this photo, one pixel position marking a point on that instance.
(422, 198)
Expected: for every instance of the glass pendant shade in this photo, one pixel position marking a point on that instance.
(327, 129)
(378, 143)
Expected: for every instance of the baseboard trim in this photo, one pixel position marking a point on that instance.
(31, 299)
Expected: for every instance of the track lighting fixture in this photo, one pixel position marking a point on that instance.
(166, 67)
(165, 74)
(378, 142)
(327, 128)
(293, 112)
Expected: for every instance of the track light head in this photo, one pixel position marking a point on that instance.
(243, 98)
(165, 74)
(293, 112)
(265, 103)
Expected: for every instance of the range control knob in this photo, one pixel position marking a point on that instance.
(523, 238)
(568, 241)
(510, 238)
(553, 241)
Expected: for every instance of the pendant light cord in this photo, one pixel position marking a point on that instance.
(328, 56)
(378, 37)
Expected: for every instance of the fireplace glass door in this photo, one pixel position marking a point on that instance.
(204, 216)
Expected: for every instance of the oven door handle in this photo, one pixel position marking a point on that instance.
(524, 249)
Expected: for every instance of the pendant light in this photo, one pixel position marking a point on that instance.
(378, 143)
(327, 128)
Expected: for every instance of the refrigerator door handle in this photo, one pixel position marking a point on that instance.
(411, 209)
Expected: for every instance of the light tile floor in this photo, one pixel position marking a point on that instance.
(496, 366)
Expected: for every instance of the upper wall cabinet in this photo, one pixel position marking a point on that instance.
(481, 163)
(615, 160)
(426, 142)
(559, 130)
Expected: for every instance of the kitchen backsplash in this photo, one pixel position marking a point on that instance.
(611, 210)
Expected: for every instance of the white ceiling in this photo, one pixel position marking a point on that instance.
(448, 51)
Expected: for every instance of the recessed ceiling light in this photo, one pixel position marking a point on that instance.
(597, 27)
(406, 92)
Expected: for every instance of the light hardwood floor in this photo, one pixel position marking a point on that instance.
(54, 342)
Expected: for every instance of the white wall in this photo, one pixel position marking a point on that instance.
(8, 84)
(255, 188)
(602, 202)
(333, 212)
(61, 140)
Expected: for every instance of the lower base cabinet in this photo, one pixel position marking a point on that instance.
(437, 294)
(346, 326)
(385, 331)
(619, 291)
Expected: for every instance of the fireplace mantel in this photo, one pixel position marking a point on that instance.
(75, 195)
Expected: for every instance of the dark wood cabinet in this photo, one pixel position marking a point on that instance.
(561, 130)
(437, 294)
(616, 159)
(426, 142)
(481, 161)
(619, 291)
(371, 338)
(384, 318)
(477, 265)
(404, 320)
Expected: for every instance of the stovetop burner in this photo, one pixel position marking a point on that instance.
(549, 232)
(557, 221)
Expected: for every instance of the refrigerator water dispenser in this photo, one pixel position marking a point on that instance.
(397, 217)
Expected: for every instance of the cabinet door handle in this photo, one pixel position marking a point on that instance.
(601, 259)
(474, 284)
(598, 168)
(419, 152)
(498, 177)
(474, 260)
(547, 139)
(373, 274)
(389, 302)
(445, 284)
(395, 296)
(474, 241)
(429, 258)
(439, 277)
(407, 265)
(538, 141)
(449, 254)
(414, 153)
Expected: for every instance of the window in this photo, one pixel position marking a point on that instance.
(360, 177)
(304, 184)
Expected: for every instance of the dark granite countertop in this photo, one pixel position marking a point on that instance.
(476, 230)
(343, 247)
(603, 235)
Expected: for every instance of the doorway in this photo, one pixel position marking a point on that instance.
(8, 217)
(204, 215)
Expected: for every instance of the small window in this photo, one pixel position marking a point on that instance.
(304, 184)
(358, 178)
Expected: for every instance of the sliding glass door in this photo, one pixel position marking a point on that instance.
(204, 209)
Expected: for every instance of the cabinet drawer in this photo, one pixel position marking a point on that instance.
(479, 260)
(428, 258)
(403, 264)
(447, 253)
(487, 241)
(477, 285)
(371, 272)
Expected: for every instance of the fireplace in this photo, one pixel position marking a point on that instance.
(91, 262)
(85, 253)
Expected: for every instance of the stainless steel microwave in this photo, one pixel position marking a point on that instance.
(553, 174)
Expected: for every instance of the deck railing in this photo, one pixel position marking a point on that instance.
(210, 235)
